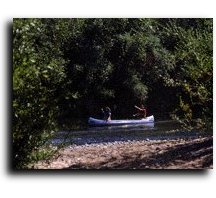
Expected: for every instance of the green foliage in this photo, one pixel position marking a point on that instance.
(193, 77)
(38, 75)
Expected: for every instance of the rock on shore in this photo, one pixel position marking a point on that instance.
(194, 153)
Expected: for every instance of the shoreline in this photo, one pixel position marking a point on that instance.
(184, 153)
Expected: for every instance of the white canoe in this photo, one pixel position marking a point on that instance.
(97, 122)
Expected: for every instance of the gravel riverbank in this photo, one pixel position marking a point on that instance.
(194, 153)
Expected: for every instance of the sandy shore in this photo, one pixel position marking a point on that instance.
(163, 154)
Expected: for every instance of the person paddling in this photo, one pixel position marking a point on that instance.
(106, 113)
(141, 111)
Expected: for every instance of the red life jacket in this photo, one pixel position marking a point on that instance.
(143, 112)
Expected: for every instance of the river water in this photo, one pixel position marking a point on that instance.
(161, 130)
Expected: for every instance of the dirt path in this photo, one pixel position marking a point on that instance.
(173, 154)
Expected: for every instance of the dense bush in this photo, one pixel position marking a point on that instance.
(192, 76)
(38, 76)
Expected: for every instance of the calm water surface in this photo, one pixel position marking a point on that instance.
(161, 130)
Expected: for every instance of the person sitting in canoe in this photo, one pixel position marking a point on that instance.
(106, 113)
(141, 111)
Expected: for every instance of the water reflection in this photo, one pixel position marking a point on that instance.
(128, 127)
(150, 131)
